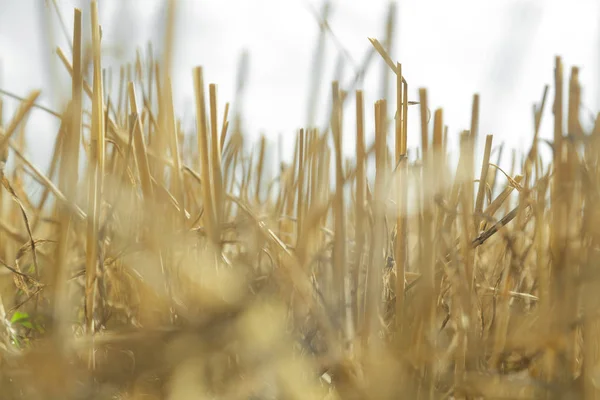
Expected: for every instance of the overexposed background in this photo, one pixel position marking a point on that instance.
(502, 49)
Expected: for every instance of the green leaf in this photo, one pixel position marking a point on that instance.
(22, 319)
(26, 323)
(19, 316)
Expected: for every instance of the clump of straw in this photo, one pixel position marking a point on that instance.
(162, 271)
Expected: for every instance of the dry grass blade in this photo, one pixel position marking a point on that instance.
(38, 106)
(9, 188)
(17, 119)
(215, 157)
(203, 150)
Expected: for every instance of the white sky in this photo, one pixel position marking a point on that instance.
(502, 49)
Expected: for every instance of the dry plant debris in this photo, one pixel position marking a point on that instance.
(177, 269)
